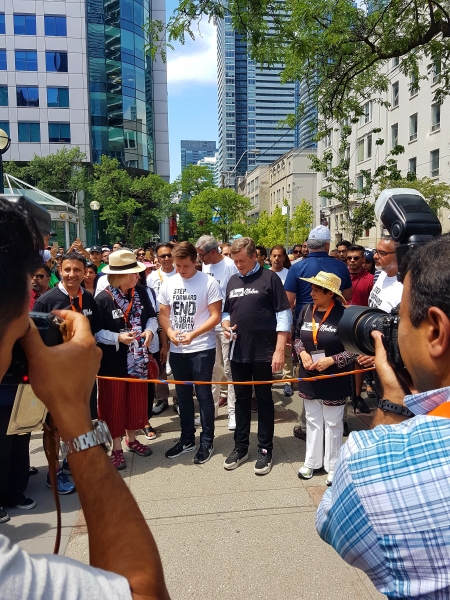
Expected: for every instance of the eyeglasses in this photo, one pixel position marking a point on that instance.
(296, 251)
(164, 255)
(39, 276)
(382, 253)
(203, 255)
(355, 257)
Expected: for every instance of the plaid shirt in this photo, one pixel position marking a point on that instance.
(388, 512)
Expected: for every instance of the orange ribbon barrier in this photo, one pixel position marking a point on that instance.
(293, 380)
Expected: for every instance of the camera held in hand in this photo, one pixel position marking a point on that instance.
(49, 327)
(355, 332)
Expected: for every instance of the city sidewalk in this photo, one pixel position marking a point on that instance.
(221, 534)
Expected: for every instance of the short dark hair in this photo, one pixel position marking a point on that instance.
(91, 265)
(430, 280)
(262, 250)
(73, 256)
(164, 245)
(296, 246)
(185, 250)
(20, 245)
(278, 247)
(45, 268)
(356, 248)
(344, 243)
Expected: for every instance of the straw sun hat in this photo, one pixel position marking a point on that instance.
(329, 281)
(123, 262)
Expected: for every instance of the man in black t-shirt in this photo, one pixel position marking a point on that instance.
(258, 315)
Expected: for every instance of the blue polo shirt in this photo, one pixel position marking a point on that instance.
(309, 267)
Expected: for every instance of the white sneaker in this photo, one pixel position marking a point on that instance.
(197, 422)
(231, 421)
(329, 480)
(305, 472)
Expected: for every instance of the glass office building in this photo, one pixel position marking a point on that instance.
(194, 150)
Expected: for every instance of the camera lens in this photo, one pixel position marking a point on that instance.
(355, 327)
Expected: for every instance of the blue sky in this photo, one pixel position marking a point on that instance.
(192, 89)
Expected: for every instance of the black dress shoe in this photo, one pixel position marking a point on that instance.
(359, 404)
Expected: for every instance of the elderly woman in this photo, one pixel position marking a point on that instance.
(128, 325)
(322, 353)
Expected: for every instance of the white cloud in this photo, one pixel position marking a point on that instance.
(196, 61)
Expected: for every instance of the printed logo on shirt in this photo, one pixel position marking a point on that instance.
(184, 308)
(324, 327)
(117, 314)
(374, 299)
(87, 312)
(239, 292)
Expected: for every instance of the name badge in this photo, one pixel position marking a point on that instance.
(117, 314)
(317, 355)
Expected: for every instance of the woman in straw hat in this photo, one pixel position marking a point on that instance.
(128, 326)
(322, 353)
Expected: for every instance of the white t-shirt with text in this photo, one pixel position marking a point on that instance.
(156, 278)
(386, 293)
(189, 300)
(222, 271)
(281, 274)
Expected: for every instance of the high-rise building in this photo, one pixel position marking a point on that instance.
(75, 73)
(252, 104)
(194, 150)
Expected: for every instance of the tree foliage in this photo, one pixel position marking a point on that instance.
(192, 181)
(337, 49)
(354, 199)
(270, 230)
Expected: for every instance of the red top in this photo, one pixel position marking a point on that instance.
(362, 284)
(34, 296)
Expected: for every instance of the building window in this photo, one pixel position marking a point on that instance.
(24, 24)
(29, 132)
(56, 62)
(436, 70)
(360, 150)
(359, 183)
(413, 86)
(55, 26)
(3, 63)
(369, 146)
(27, 96)
(59, 133)
(394, 135)
(395, 94)
(413, 127)
(328, 140)
(435, 116)
(434, 163)
(3, 95)
(366, 117)
(5, 126)
(2, 23)
(26, 60)
(395, 61)
(412, 165)
(57, 97)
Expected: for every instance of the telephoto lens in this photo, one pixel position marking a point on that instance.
(355, 328)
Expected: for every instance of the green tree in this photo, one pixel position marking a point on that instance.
(353, 198)
(12, 168)
(337, 48)
(220, 212)
(437, 194)
(192, 181)
(300, 223)
(155, 196)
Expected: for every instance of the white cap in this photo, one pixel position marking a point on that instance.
(320, 233)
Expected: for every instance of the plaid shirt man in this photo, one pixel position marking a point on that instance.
(388, 512)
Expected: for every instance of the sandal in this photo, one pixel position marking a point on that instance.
(118, 460)
(299, 433)
(149, 432)
(370, 392)
(139, 448)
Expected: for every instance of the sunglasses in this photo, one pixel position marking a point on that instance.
(354, 258)
(296, 251)
(140, 254)
(164, 255)
(39, 276)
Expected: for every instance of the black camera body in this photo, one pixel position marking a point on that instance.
(49, 328)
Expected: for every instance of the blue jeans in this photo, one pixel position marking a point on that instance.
(197, 366)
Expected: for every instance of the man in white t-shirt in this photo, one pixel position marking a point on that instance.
(278, 259)
(190, 306)
(155, 279)
(387, 292)
(221, 268)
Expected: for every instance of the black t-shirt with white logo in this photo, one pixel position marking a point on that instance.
(253, 302)
(56, 299)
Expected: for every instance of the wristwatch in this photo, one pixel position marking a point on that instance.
(399, 409)
(99, 436)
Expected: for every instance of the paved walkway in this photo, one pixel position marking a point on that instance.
(229, 535)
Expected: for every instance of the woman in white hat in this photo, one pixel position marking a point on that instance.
(128, 323)
(322, 353)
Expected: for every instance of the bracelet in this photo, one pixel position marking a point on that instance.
(399, 409)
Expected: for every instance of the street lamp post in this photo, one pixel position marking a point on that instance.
(95, 207)
(230, 173)
(5, 143)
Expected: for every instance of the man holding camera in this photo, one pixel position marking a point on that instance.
(387, 512)
(62, 377)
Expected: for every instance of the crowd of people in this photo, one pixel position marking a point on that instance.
(235, 312)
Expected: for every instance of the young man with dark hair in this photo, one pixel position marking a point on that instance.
(261, 256)
(387, 511)
(95, 255)
(342, 249)
(190, 305)
(362, 281)
(39, 284)
(300, 251)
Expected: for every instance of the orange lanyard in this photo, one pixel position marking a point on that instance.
(130, 305)
(443, 410)
(80, 302)
(315, 330)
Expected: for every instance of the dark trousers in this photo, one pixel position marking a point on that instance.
(93, 402)
(14, 462)
(197, 366)
(266, 411)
